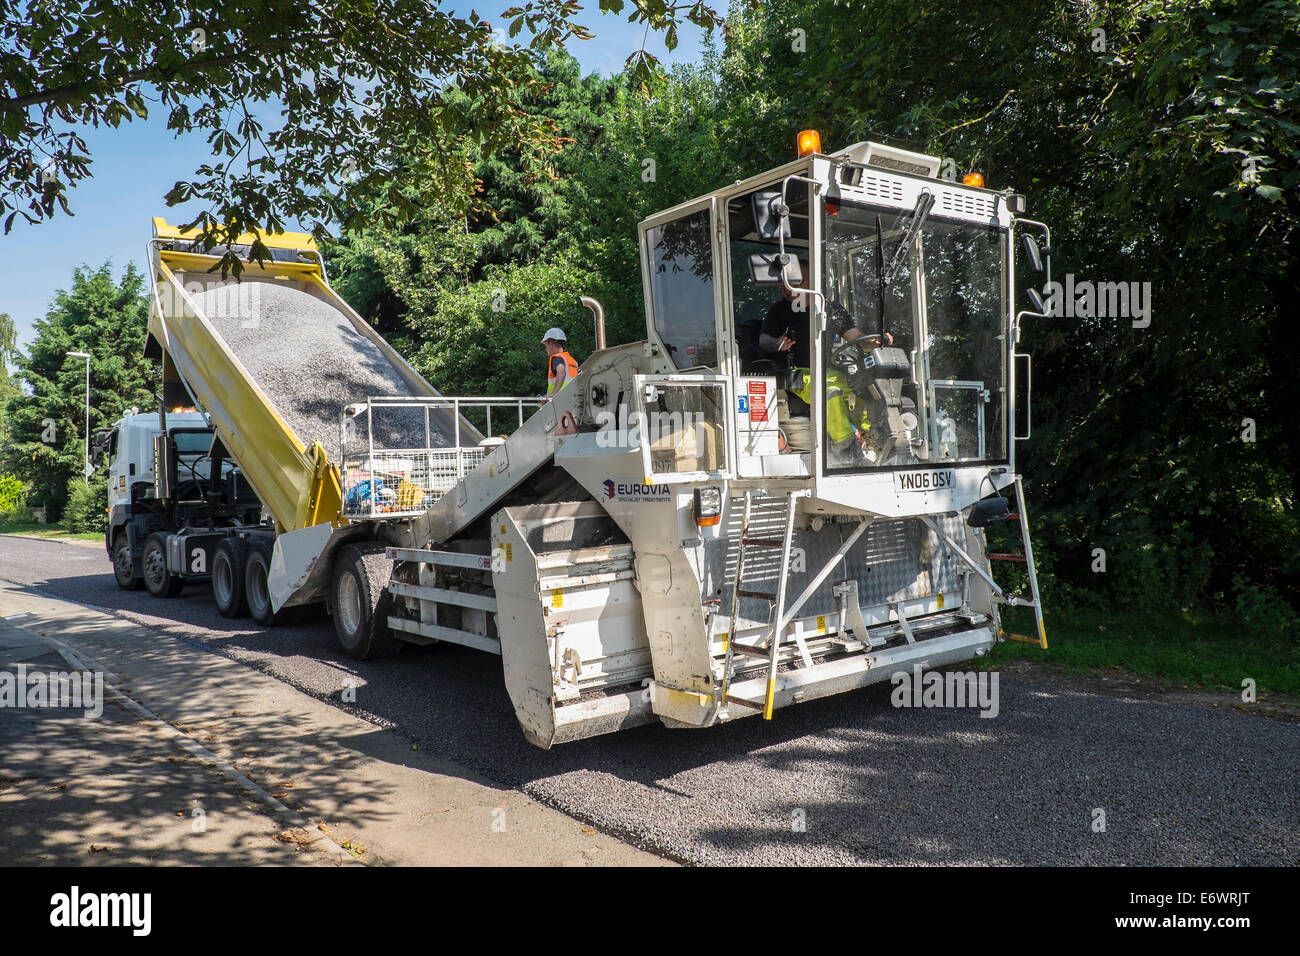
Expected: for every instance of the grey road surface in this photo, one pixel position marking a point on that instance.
(848, 780)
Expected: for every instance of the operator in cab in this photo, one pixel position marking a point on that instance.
(787, 328)
(561, 368)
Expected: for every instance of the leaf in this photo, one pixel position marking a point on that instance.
(136, 103)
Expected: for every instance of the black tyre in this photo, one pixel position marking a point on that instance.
(360, 602)
(160, 582)
(256, 592)
(124, 563)
(228, 577)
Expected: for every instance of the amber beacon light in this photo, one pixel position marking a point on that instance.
(810, 141)
(973, 179)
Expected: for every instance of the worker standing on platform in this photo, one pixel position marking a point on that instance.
(560, 365)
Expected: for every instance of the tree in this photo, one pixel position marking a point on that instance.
(8, 349)
(397, 276)
(8, 338)
(107, 319)
(485, 339)
(355, 88)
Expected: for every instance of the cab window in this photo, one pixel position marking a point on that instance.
(680, 256)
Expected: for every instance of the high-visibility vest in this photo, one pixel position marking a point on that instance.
(570, 367)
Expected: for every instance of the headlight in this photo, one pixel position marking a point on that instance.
(708, 506)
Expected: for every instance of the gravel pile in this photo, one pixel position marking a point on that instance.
(309, 361)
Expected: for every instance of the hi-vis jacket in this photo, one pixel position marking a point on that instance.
(560, 367)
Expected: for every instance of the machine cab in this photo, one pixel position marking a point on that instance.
(856, 310)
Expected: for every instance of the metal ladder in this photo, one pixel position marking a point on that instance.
(1021, 516)
(776, 632)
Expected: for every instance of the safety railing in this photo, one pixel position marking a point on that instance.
(397, 456)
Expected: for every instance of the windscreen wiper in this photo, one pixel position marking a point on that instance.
(923, 204)
(883, 285)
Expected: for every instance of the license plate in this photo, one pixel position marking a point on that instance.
(940, 479)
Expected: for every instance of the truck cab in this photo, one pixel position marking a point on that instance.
(164, 483)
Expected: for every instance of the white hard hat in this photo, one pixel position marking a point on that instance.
(556, 335)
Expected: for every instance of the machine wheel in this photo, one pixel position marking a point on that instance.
(160, 582)
(256, 567)
(228, 577)
(360, 602)
(124, 563)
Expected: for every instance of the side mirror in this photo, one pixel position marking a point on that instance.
(1036, 299)
(99, 442)
(771, 215)
(1032, 252)
(765, 268)
(989, 511)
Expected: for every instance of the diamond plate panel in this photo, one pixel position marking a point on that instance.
(897, 559)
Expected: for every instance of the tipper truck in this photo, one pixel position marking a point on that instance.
(782, 493)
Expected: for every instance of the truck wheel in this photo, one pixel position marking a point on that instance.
(124, 563)
(256, 592)
(360, 602)
(160, 582)
(228, 577)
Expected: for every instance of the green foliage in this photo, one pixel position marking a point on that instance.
(12, 492)
(1147, 569)
(520, 215)
(532, 244)
(1196, 648)
(1262, 610)
(85, 512)
(8, 338)
(46, 420)
(8, 349)
(487, 339)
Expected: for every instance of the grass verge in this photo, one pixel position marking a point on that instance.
(1195, 649)
(52, 532)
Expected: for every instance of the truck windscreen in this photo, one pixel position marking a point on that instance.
(192, 461)
(191, 444)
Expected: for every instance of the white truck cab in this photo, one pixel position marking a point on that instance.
(130, 450)
(162, 528)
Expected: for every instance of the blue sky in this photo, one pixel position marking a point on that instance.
(135, 165)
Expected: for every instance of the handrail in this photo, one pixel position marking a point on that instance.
(399, 482)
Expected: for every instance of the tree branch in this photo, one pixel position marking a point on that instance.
(980, 119)
(152, 74)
